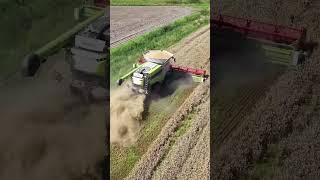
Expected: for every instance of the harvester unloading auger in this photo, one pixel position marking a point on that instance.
(86, 51)
(154, 67)
(280, 44)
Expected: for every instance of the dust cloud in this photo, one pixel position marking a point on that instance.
(126, 111)
(47, 133)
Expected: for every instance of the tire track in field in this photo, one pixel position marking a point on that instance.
(183, 150)
(197, 165)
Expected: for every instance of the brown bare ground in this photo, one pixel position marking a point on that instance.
(280, 135)
(141, 19)
(193, 51)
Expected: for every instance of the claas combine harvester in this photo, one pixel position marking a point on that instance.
(280, 44)
(154, 67)
(85, 50)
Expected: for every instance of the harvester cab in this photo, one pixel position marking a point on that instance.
(88, 59)
(88, 55)
(153, 68)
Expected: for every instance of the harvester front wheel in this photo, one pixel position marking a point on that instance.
(119, 82)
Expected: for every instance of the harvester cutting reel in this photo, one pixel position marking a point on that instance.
(282, 45)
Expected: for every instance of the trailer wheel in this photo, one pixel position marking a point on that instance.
(30, 65)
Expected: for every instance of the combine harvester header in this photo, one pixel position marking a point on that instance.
(284, 45)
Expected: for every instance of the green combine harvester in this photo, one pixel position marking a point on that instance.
(86, 51)
(154, 68)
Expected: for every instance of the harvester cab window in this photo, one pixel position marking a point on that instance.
(143, 70)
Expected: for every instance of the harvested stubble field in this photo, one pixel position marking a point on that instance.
(233, 108)
(141, 19)
(279, 138)
(183, 143)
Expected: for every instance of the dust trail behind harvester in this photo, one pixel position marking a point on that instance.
(47, 133)
(126, 110)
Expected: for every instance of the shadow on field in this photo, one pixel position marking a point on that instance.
(238, 61)
(242, 75)
(171, 84)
